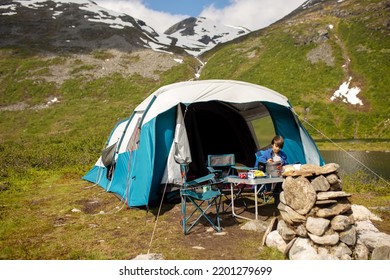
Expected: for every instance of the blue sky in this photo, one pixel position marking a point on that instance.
(184, 7)
(162, 14)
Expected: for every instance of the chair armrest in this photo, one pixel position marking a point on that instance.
(200, 180)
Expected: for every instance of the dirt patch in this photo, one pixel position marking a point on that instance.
(92, 206)
(204, 243)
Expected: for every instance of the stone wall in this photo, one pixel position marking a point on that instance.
(317, 220)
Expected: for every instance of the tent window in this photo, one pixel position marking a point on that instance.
(264, 130)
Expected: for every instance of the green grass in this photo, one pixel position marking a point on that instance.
(44, 153)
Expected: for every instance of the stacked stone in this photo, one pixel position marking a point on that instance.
(317, 221)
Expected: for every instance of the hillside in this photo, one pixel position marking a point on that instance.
(322, 50)
(59, 100)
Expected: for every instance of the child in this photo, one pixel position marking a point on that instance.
(273, 154)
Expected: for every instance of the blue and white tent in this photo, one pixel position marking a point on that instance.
(218, 117)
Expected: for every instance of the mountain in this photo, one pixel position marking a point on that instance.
(82, 25)
(74, 26)
(331, 58)
(197, 35)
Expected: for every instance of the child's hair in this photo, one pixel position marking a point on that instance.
(278, 140)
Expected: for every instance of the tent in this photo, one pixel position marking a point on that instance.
(218, 118)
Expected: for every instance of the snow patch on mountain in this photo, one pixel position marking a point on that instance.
(198, 34)
(346, 94)
(194, 35)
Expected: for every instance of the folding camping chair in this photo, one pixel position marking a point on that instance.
(222, 166)
(202, 194)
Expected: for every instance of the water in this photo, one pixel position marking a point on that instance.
(352, 161)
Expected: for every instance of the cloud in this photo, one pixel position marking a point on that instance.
(160, 21)
(252, 14)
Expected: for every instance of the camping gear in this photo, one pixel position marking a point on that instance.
(189, 193)
(217, 116)
(273, 169)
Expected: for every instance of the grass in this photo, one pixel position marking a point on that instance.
(52, 214)
(48, 212)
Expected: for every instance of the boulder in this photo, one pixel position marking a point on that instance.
(381, 253)
(320, 184)
(331, 194)
(361, 213)
(275, 240)
(302, 249)
(332, 179)
(348, 236)
(334, 210)
(317, 226)
(326, 239)
(289, 215)
(285, 231)
(342, 222)
(299, 194)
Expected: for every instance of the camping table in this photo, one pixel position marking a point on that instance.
(235, 180)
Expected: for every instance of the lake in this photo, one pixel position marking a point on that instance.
(353, 161)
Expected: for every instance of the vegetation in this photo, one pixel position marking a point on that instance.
(48, 212)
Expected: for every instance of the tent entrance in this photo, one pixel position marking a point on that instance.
(218, 128)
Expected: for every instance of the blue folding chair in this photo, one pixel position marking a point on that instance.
(202, 194)
(224, 165)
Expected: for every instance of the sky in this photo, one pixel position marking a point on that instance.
(162, 14)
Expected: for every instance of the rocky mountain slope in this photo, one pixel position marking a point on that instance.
(198, 35)
(82, 25)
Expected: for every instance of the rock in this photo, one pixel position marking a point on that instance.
(331, 194)
(255, 225)
(289, 245)
(221, 233)
(299, 194)
(152, 256)
(320, 184)
(284, 231)
(334, 210)
(310, 168)
(323, 202)
(317, 226)
(198, 248)
(365, 226)
(327, 239)
(324, 254)
(301, 231)
(361, 213)
(281, 198)
(289, 215)
(340, 250)
(374, 239)
(271, 226)
(332, 179)
(381, 253)
(341, 222)
(336, 187)
(361, 252)
(348, 236)
(302, 249)
(329, 168)
(275, 240)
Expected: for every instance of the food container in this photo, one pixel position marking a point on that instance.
(273, 169)
(251, 174)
